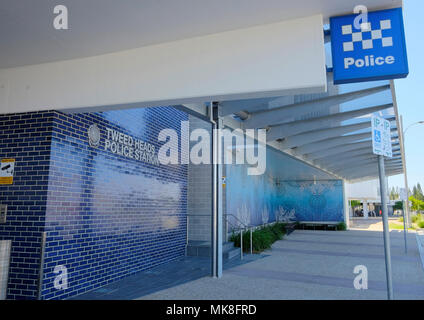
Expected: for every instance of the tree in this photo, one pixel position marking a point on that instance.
(355, 203)
(420, 195)
(394, 193)
(417, 205)
(417, 192)
(398, 205)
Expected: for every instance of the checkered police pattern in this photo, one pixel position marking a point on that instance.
(364, 34)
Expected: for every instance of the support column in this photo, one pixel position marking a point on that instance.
(407, 215)
(365, 208)
(346, 206)
(217, 193)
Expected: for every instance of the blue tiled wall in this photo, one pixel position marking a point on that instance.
(106, 216)
(286, 183)
(109, 216)
(26, 138)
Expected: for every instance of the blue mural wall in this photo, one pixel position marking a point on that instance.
(287, 184)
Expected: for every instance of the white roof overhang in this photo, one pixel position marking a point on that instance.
(99, 27)
(329, 131)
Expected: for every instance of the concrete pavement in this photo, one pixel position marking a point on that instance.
(314, 265)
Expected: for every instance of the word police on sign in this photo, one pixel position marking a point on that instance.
(372, 50)
(381, 137)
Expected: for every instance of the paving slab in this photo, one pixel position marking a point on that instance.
(168, 275)
(315, 265)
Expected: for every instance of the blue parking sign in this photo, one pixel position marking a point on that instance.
(377, 136)
(372, 50)
(381, 137)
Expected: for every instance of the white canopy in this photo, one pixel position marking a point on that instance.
(330, 131)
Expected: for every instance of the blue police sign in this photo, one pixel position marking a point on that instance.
(372, 50)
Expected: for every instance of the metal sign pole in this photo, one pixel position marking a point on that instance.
(399, 123)
(214, 221)
(383, 194)
(217, 194)
(405, 173)
(405, 223)
(405, 230)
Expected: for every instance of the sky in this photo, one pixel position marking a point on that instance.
(409, 94)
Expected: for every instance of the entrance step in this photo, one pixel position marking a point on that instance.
(232, 254)
(228, 246)
(198, 249)
(203, 249)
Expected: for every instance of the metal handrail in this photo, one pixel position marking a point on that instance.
(241, 236)
(241, 229)
(241, 233)
(250, 228)
(231, 215)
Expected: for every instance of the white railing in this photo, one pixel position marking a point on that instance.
(241, 230)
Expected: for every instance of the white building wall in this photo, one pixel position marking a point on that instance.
(368, 190)
(268, 60)
(199, 192)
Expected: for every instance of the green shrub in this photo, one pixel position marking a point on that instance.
(421, 224)
(398, 205)
(355, 203)
(262, 238)
(278, 230)
(401, 219)
(417, 218)
(417, 204)
(341, 226)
